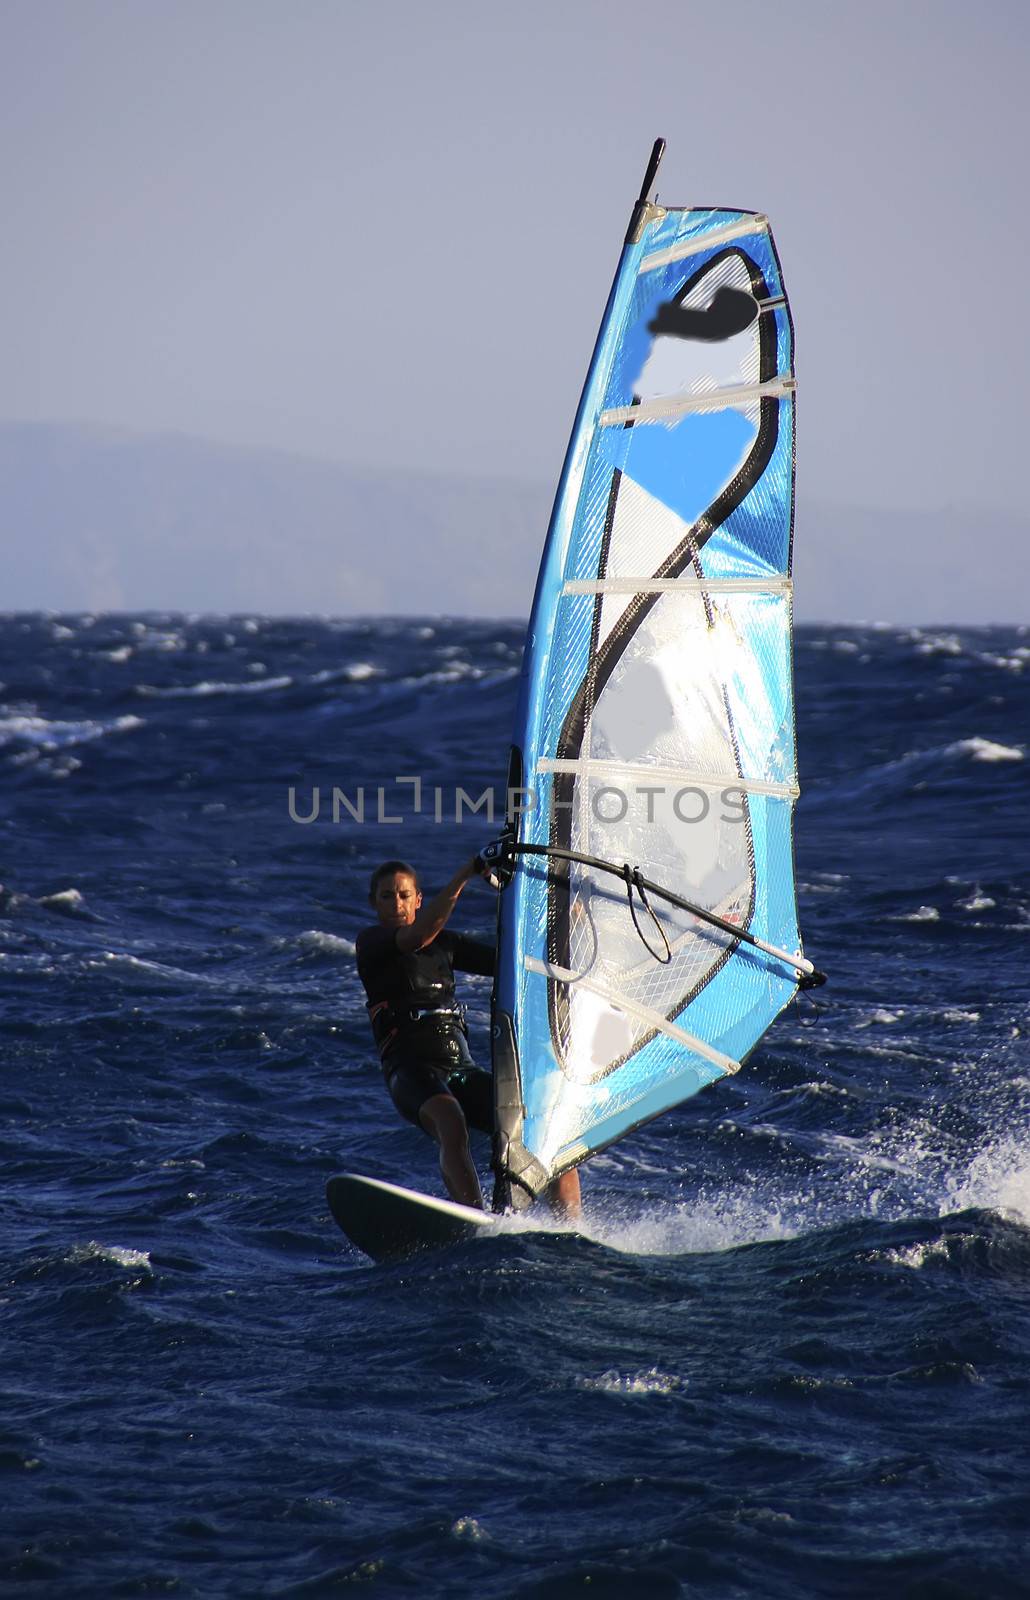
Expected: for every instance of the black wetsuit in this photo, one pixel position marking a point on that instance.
(417, 1023)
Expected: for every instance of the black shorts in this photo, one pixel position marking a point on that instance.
(412, 1083)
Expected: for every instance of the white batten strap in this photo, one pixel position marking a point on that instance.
(705, 241)
(690, 585)
(633, 1008)
(681, 405)
(681, 776)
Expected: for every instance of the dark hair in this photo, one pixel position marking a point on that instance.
(385, 870)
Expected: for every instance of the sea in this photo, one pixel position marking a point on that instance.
(787, 1351)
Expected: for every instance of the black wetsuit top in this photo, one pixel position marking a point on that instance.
(417, 980)
(417, 1023)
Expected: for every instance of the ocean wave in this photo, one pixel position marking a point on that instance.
(915, 770)
(138, 966)
(354, 672)
(935, 644)
(165, 641)
(68, 903)
(116, 1254)
(646, 1382)
(977, 901)
(985, 750)
(314, 942)
(189, 691)
(917, 1256)
(46, 735)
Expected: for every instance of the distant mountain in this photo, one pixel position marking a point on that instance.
(104, 519)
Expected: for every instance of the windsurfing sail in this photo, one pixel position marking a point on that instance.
(648, 928)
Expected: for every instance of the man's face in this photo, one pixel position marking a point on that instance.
(397, 899)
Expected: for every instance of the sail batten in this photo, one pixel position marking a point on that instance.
(665, 407)
(678, 585)
(586, 767)
(708, 240)
(656, 722)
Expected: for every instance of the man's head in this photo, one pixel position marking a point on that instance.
(395, 894)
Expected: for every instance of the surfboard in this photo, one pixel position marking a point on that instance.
(389, 1223)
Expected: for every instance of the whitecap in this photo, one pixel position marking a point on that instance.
(977, 902)
(881, 1016)
(187, 691)
(65, 767)
(46, 735)
(649, 1381)
(452, 674)
(155, 969)
(93, 1251)
(1012, 663)
(355, 672)
(68, 901)
(329, 944)
(948, 644)
(985, 750)
(916, 1256)
(159, 641)
(820, 1088)
(468, 1528)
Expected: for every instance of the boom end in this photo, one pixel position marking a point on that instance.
(812, 980)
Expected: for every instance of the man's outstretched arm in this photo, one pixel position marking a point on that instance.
(431, 917)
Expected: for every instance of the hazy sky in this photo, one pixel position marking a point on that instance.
(384, 233)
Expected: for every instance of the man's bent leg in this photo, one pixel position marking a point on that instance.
(442, 1116)
(563, 1196)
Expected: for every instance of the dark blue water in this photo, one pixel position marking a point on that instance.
(790, 1353)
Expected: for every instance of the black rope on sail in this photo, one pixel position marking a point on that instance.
(633, 881)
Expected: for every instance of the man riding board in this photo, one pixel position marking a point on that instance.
(407, 963)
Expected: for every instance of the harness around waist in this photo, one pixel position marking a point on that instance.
(421, 1033)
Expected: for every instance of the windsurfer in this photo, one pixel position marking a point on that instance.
(407, 962)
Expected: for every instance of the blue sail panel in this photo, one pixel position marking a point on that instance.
(655, 723)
